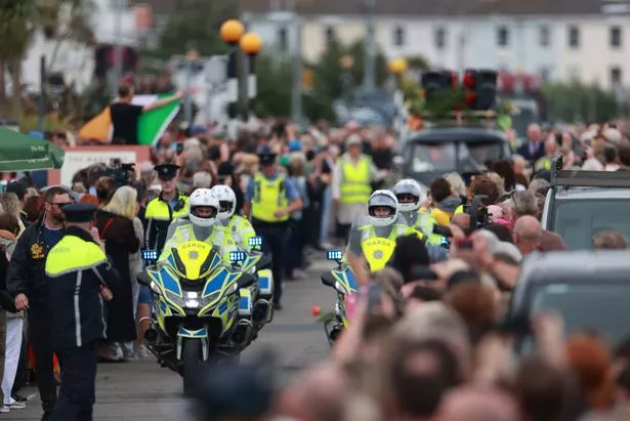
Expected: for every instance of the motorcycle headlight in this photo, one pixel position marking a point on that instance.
(192, 304)
(155, 288)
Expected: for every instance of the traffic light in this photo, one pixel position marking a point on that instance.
(436, 81)
(480, 89)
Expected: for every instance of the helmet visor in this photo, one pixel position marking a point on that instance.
(407, 198)
(204, 211)
(225, 206)
(381, 211)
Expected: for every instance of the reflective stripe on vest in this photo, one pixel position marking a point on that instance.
(269, 198)
(355, 182)
(73, 254)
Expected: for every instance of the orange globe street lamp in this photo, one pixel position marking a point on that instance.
(251, 44)
(231, 32)
(398, 66)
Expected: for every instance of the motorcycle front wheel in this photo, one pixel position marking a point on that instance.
(192, 362)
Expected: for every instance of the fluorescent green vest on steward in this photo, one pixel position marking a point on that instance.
(355, 181)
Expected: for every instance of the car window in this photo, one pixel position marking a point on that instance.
(597, 307)
(577, 221)
(477, 154)
(434, 157)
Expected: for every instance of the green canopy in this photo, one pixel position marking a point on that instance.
(20, 152)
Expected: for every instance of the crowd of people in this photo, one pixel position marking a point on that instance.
(430, 346)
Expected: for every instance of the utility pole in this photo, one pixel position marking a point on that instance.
(296, 82)
(369, 68)
(119, 7)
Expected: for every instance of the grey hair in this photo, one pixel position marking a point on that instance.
(456, 182)
(202, 179)
(525, 203)
(539, 185)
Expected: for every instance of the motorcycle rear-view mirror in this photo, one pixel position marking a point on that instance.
(264, 262)
(143, 279)
(328, 280)
(246, 281)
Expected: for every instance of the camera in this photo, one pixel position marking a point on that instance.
(121, 173)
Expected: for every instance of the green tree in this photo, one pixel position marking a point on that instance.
(274, 93)
(195, 24)
(575, 101)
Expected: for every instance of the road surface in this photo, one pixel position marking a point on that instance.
(142, 391)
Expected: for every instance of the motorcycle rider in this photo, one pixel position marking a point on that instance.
(199, 225)
(237, 230)
(374, 237)
(410, 198)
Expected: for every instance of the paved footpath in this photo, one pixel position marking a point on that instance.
(142, 391)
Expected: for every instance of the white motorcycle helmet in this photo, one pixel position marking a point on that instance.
(409, 195)
(379, 201)
(227, 201)
(202, 198)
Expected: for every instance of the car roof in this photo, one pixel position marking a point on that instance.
(457, 134)
(584, 193)
(567, 267)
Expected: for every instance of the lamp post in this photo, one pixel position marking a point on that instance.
(231, 32)
(251, 44)
(191, 57)
(346, 63)
(397, 68)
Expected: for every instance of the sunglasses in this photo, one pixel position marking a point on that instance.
(60, 204)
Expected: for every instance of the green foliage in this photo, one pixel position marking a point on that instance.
(418, 63)
(196, 24)
(274, 87)
(577, 102)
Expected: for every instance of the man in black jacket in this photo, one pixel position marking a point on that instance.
(27, 284)
(79, 276)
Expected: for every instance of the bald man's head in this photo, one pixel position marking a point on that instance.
(318, 394)
(527, 233)
(478, 404)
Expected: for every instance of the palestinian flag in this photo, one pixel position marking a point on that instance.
(151, 126)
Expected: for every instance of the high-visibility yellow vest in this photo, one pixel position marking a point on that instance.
(269, 198)
(424, 224)
(185, 232)
(378, 250)
(236, 235)
(159, 209)
(72, 253)
(355, 182)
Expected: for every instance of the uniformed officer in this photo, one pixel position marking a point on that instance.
(375, 237)
(198, 225)
(236, 230)
(270, 199)
(165, 208)
(410, 198)
(79, 276)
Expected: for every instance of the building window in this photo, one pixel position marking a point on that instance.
(440, 38)
(330, 35)
(545, 74)
(399, 36)
(615, 76)
(615, 37)
(574, 37)
(503, 37)
(544, 36)
(283, 39)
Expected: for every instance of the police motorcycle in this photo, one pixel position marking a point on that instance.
(343, 281)
(259, 297)
(256, 301)
(200, 317)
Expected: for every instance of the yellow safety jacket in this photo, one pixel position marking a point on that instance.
(184, 231)
(269, 198)
(424, 226)
(157, 218)
(236, 235)
(444, 218)
(355, 182)
(378, 250)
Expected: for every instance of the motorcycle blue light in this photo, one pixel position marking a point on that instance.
(149, 255)
(237, 256)
(335, 255)
(255, 241)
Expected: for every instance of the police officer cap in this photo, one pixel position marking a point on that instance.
(166, 171)
(267, 157)
(79, 212)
